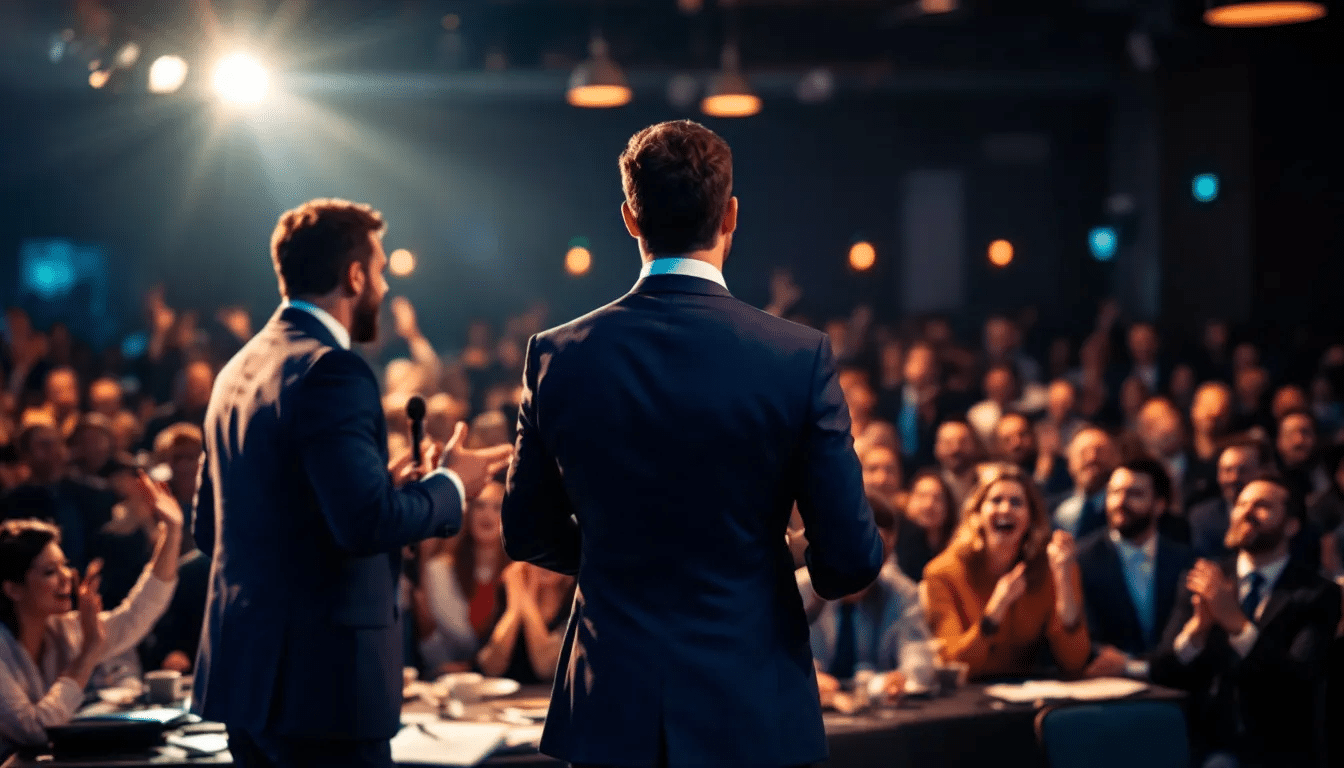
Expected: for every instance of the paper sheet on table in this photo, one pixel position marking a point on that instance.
(524, 736)
(447, 743)
(1100, 689)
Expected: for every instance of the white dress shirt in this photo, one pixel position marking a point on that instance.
(342, 335)
(677, 265)
(1242, 643)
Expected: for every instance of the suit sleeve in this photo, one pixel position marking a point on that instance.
(1302, 660)
(538, 519)
(1166, 668)
(337, 412)
(844, 552)
(203, 514)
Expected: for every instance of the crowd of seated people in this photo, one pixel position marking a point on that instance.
(1096, 508)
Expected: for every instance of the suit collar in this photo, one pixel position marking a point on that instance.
(306, 324)
(678, 265)
(674, 283)
(338, 331)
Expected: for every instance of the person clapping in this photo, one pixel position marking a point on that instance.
(49, 643)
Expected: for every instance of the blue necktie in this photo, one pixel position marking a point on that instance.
(1253, 596)
(846, 645)
(1143, 598)
(909, 430)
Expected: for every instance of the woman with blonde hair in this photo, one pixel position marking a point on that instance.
(1006, 588)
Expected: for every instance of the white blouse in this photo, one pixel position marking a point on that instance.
(33, 695)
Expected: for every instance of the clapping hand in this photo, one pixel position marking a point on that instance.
(91, 622)
(474, 467)
(1009, 588)
(158, 498)
(1217, 595)
(1060, 551)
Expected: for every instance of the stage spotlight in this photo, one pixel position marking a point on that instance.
(1205, 187)
(862, 255)
(240, 79)
(401, 263)
(1102, 241)
(167, 74)
(578, 260)
(1000, 253)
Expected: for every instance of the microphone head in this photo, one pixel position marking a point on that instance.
(415, 408)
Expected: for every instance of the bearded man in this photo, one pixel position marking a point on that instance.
(1250, 640)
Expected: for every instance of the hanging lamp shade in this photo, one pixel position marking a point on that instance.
(1262, 13)
(598, 82)
(729, 93)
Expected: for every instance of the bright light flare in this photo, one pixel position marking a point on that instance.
(167, 74)
(578, 260)
(1000, 253)
(401, 263)
(240, 79)
(862, 255)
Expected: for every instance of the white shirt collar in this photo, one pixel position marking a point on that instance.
(1149, 548)
(683, 266)
(339, 331)
(1270, 571)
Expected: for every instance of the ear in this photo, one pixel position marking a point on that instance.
(729, 224)
(631, 225)
(12, 591)
(355, 276)
(1292, 526)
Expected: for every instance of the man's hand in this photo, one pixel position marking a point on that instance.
(473, 467)
(403, 314)
(1218, 594)
(1110, 662)
(403, 468)
(828, 686)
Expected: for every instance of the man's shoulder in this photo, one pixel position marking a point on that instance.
(1208, 508)
(747, 322)
(1094, 544)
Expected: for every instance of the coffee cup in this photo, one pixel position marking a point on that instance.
(164, 686)
(950, 676)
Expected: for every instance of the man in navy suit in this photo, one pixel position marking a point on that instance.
(663, 440)
(1131, 571)
(301, 651)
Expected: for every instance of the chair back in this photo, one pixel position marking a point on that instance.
(1118, 734)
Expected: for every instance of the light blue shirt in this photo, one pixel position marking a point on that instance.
(1139, 564)
(676, 265)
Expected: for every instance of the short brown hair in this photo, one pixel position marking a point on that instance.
(678, 179)
(314, 244)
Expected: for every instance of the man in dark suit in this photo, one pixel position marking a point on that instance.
(662, 442)
(1250, 638)
(1131, 571)
(301, 651)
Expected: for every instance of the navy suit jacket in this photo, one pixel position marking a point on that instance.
(302, 635)
(662, 442)
(1112, 618)
(1268, 707)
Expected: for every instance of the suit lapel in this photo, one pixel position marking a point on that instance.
(1166, 583)
(1282, 594)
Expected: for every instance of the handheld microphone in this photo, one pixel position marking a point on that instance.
(415, 411)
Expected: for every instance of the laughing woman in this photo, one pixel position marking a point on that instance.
(1005, 589)
(50, 645)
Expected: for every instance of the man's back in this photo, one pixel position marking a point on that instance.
(678, 425)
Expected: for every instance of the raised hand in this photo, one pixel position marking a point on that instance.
(403, 315)
(473, 467)
(91, 622)
(158, 498)
(1060, 551)
(1218, 596)
(1009, 588)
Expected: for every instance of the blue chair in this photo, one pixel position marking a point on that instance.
(1118, 734)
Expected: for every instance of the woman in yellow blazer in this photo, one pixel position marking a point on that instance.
(1006, 586)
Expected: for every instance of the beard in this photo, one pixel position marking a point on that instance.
(1255, 540)
(364, 319)
(1131, 523)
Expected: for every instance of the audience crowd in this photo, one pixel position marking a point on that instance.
(1132, 505)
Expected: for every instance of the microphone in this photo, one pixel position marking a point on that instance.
(415, 411)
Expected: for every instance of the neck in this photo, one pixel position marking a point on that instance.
(1001, 560)
(1206, 446)
(1265, 558)
(712, 257)
(333, 304)
(32, 631)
